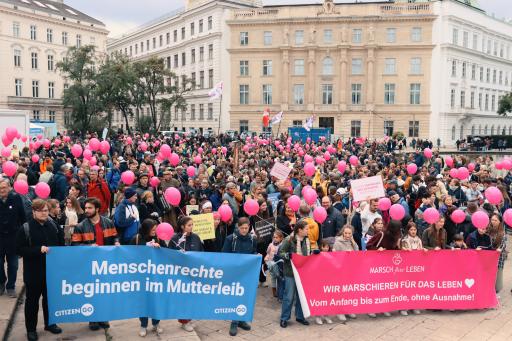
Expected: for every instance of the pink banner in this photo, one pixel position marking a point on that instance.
(375, 282)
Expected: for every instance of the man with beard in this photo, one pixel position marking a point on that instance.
(98, 188)
(334, 222)
(95, 230)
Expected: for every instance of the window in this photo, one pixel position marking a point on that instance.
(201, 53)
(17, 58)
(35, 115)
(267, 94)
(193, 56)
(414, 128)
(328, 36)
(492, 129)
(175, 36)
(416, 34)
(452, 98)
(183, 33)
(210, 78)
(389, 93)
(391, 35)
(210, 52)
(299, 37)
(473, 130)
(267, 38)
(267, 68)
(388, 128)
(455, 36)
(244, 125)
(415, 92)
(473, 71)
(494, 76)
(16, 29)
(49, 35)
(326, 94)
(415, 66)
(475, 42)
(201, 79)
(297, 123)
(464, 69)
(33, 32)
(298, 67)
(51, 115)
(34, 60)
(67, 118)
(201, 26)
(493, 102)
(501, 78)
(485, 130)
(355, 128)
(480, 101)
(141, 46)
(244, 38)
(50, 63)
(357, 35)
(137, 51)
(327, 66)
(244, 94)
(465, 39)
(176, 63)
(390, 66)
(210, 22)
(18, 84)
(462, 99)
(154, 43)
(488, 75)
(481, 74)
(192, 111)
(78, 40)
(167, 38)
(183, 59)
(201, 111)
(486, 102)
(357, 66)
(35, 88)
(192, 28)
(454, 68)
(472, 100)
(356, 94)
(210, 111)
(244, 68)
(298, 94)
(193, 77)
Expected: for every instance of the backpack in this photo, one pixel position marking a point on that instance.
(235, 237)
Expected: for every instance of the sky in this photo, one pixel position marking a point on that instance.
(124, 15)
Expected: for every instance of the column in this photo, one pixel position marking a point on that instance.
(311, 80)
(285, 81)
(370, 84)
(343, 83)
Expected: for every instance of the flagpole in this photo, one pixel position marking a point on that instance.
(220, 115)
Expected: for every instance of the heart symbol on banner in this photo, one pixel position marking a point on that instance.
(469, 282)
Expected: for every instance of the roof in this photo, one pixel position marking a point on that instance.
(55, 8)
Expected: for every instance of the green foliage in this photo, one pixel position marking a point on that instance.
(398, 135)
(505, 105)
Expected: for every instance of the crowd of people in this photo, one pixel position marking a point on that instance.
(77, 191)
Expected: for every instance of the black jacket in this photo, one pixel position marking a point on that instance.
(333, 224)
(34, 262)
(12, 216)
(191, 243)
(235, 243)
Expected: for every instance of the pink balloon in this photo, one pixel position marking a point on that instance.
(428, 153)
(384, 204)
(310, 196)
(493, 195)
(154, 182)
(454, 173)
(397, 212)
(507, 164)
(354, 161)
(143, 146)
(164, 231)
(191, 171)
(95, 167)
(225, 213)
(244, 148)
(174, 159)
(294, 203)
(173, 196)
(6, 152)
(42, 190)
(507, 216)
(308, 158)
(87, 154)
(200, 150)
(46, 143)
(224, 150)
(342, 166)
(480, 220)
(319, 214)
(67, 139)
(21, 187)
(127, 177)
(146, 135)
(431, 215)
(327, 156)
(104, 147)
(24, 138)
(499, 165)
(197, 160)
(6, 141)
(166, 151)
(319, 160)
(309, 169)
(251, 207)
(458, 216)
(156, 143)
(463, 173)
(39, 136)
(11, 132)
(35, 158)
(94, 144)
(93, 161)
(76, 150)
(214, 150)
(128, 141)
(9, 168)
(449, 161)
(412, 168)
(57, 142)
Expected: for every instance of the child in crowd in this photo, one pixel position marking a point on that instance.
(411, 242)
(273, 266)
(345, 242)
(458, 242)
(376, 227)
(324, 247)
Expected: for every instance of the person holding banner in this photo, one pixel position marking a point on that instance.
(435, 237)
(33, 242)
(297, 243)
(498, 237)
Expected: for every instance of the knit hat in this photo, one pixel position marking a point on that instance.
(129, 192)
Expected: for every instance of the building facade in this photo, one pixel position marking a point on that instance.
(471, 70)
(363, 69)
(34, 37)
(193, 41)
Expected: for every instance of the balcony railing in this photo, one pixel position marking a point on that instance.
(412, 8)
(253, 13)
(14, 100)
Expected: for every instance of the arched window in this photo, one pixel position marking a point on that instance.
(479, 129)
(327, 66)
(453, 133)
(504, 131)
(510, 130)
(472, 130)
(492, 129)
(498, 131)
(485, 130)
(461, 134)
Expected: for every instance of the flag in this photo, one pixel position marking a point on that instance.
(266, 117)
(216, 92)
(277, 118)
(309, 123)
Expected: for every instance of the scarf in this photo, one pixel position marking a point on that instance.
(298, 249)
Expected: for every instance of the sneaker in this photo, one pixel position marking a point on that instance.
(404, 312)
(233, 329)
(53, 328)
(94, 326)
(416, 311)
(244, 325)
(328, 320)
(32, 336)
(342, 317)
(187, 327)
(104, 325)
(11, 293)
(352, 316)
(387, 314)
(372, 315)
(318, 321)
(143, 332)
(157, 329)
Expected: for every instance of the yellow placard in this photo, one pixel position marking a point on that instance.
(204, 225)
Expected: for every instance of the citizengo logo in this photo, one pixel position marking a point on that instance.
(86, 310)
(240, 310)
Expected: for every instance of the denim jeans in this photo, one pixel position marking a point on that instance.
(280, 288)
(144, 322)
(12, 267)
(290, 295)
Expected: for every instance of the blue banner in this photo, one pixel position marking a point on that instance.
(90, 284)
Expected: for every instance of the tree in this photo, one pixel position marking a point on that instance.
(82, 96)
(505, 105)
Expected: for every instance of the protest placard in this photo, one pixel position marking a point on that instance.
(367, 188)
(190, 208)
(204, 225)
(280, 171)
(265, 228)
